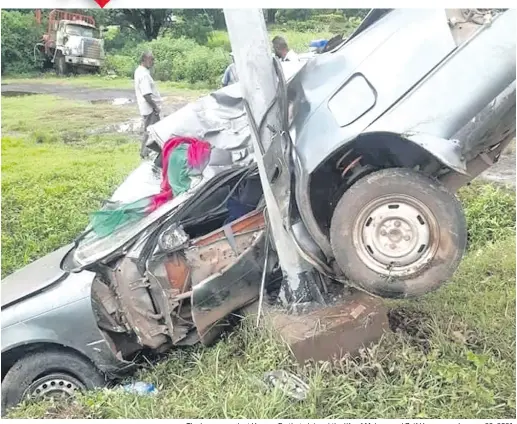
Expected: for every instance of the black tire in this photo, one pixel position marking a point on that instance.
(353, 226)
(54, 364)
(61, 65)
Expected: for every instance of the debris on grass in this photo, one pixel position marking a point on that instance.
(288, 383)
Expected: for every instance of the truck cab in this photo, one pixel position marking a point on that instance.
(72, 42)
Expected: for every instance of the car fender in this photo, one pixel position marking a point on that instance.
(61, 315)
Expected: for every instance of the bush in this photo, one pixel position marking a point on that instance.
(283, 16)
(19, 36)
(219, 39)
(193, 25)
(123, 66)
(206, 65)
(121, 40)
(180, 60)
(490, 213)
(329, 18)
(331, 23)
(297, 40)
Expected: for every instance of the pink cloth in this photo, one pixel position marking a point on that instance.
(197, 153)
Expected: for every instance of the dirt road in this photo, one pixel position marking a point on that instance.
(503, 172)
(68, 91)
(115, 96)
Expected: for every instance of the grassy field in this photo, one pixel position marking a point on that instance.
(55, 170)
(452, 357)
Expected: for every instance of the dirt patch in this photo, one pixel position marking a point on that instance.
(413, 324)
(133, 126)
(17, 93)
(68, 92)
(116, 97)
(120, 101)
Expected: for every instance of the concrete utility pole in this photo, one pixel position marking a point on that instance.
(258, 82)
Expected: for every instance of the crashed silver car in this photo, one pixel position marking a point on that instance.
(381, 131)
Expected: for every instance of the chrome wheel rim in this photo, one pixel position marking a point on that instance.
(396, 235)
(54, 386)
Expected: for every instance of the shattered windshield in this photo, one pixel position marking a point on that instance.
(81, 31)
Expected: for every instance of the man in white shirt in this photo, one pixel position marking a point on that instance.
(282, 50)
(147, 96)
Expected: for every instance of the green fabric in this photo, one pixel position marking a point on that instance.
(106, 221)
(178, 170)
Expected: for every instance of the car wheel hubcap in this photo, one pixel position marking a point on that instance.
(395, 235)
(56, 386)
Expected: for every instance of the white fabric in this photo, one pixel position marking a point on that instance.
(144, 84)
(291, 56)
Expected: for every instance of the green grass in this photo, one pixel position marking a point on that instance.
(453, 357)
(458, 361)
(49, 189)
(54, 172)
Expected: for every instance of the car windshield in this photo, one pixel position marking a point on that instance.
(81, 31)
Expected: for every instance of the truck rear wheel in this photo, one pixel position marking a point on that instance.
(396, 233)
(61, 65)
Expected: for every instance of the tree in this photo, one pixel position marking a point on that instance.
(148, 21)
(197, 23)
(355, 13)
(19, 35)
(285, 15)
(269, 15)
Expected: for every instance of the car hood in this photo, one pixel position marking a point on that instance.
(33, 278)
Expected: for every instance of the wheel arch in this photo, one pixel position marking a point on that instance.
(15, 353)
(421, 274)
(377, 150)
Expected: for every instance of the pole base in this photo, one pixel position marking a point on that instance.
(331, 332)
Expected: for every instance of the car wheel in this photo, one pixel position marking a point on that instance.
(397, 233)
(46, 374)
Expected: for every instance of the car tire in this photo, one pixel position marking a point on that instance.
(397, 233)
(59, 371)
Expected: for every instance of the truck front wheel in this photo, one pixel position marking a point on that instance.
(61, 65)
(397, 233)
